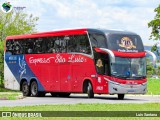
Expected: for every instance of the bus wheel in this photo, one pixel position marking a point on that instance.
(34, 89)
(120, 96)
(90, 91)
(25, 89)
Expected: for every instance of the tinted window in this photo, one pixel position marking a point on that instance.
(14, 47)
(98, 40)
(58, 44)
(78, 43)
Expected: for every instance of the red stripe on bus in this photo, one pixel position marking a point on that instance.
(49, 34)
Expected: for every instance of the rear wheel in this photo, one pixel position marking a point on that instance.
(90, 90)
(25, 89)
(120, 96)
(34, 90)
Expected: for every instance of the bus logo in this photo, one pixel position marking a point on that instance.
(127, 43)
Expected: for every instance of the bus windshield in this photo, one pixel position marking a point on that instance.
(129, 68)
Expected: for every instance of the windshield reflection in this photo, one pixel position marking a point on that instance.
(129, 68)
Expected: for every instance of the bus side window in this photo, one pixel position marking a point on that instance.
(63, 45)
(50, 45)
(29, 46)
(17, 47)
(82, 44)
(71, 44)
(98, 40)
(9, 46)
(38, 46)
(94, 41)
(57, 45)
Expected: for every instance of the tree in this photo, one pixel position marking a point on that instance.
(155, 25)
(14, 23)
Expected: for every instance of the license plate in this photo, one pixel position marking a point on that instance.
(130, 91)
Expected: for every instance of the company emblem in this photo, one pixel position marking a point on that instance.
(6, 7)
(127, 43)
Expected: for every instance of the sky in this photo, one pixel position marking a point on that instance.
(130, 15)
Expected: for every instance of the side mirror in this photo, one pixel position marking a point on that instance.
(153, 56)
(111, 54)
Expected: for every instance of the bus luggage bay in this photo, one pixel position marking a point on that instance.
(92, 61)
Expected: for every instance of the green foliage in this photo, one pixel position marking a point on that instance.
(150, 70)
(1, 62)
(155, 25)
(14, 23)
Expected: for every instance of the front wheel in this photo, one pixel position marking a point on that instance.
(25, 89)
(90, 90)
(120, 96)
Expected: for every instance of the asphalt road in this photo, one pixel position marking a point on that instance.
(80, 98)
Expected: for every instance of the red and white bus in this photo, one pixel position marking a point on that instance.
(61, 62)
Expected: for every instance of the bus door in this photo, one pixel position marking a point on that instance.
(102, 67)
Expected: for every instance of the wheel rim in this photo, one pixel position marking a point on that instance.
(34, 88)
(25, 88)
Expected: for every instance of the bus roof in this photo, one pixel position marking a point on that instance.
(67, 32)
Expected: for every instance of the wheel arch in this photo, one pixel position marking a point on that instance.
(85, 85)
(33, 79)
(22, 80)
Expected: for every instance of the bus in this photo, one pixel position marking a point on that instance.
(84, 60)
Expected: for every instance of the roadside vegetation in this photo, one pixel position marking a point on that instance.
(10, 96)
(89, 107)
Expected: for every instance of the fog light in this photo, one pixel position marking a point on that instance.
(115, 89)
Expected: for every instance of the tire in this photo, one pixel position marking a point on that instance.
(34, 89)
(26, 89)
(120, 96)
(90, 90)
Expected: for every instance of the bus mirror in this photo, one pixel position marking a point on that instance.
(111, 54)
(153, 55)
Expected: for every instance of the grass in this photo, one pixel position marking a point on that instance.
(153, 86)
(6, 94)
(10, 96)
(90, 107)
(6, 90)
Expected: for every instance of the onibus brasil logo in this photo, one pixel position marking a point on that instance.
(6, 7)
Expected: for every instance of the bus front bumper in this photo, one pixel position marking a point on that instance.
(118, 88)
